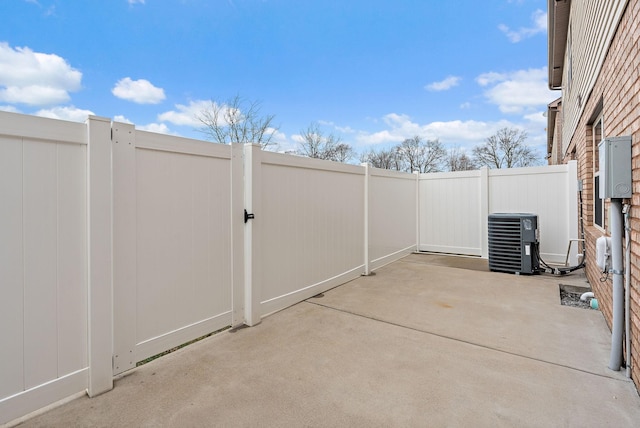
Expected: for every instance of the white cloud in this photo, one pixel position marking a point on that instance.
(66, 113)
(35, 78)
(185, 114)
(518, 92)
(297, 138)
(132, 2)
(51, 10)
(10, 109)
(464, 134)
(489, 78)
(401, 127)
(34, 95)
(342, 129)
(159, 128)
(139, 91)
(537, 118)
(539, 25)
(465, 105)
(120, 118)
(280, 141)
(443, 85)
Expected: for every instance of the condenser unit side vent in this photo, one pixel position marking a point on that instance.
(513, 243)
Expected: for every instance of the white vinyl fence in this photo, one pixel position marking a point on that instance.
(172, 239)
(454, 207)
(392, 216)
(452, 212)
(117, 244)
(311, 222)
(43, 262)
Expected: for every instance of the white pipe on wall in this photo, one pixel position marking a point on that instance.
(615, 360)
(627, 286)
(587, 295)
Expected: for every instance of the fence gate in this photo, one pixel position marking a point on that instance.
(172, 242)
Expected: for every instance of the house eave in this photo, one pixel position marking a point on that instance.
(558, 27)
(552, 111)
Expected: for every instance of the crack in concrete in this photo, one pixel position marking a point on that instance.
(479, 345)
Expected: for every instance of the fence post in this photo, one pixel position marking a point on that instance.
(572, 199)
(124, 246)
(417, 211)
(252, 236)
(484, 210)
(237, 235)
(99, 248)
(367, 268)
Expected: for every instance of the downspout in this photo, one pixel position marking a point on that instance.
(627, 286)
(615, 360)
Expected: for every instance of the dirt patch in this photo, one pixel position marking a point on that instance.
(570, 296)
(453, 261)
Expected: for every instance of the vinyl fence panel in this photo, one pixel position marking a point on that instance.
(43, 264)
(454, 207)
(392, 215)
(544, 191)
(172, 242)
(451, 214)
(312, 231)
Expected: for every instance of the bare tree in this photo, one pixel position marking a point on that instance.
(343, 153)
(237, 121)
(317, 144)
(384, 158)
(458, 160)
(421, 156)
(412, 155)
(505, 149)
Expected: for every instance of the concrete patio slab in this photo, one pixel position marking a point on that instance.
(506, 312)
(417, 344)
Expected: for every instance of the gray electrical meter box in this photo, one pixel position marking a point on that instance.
(615, 167)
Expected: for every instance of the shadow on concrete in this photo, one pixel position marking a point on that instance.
(425, 342)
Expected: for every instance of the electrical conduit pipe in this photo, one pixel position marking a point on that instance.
(615, 360)
(627, 285)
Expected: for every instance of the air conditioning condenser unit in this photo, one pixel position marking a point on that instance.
(513, 243)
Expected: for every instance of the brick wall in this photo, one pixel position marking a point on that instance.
(618, 87)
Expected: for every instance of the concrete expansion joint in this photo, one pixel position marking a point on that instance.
(479, 345)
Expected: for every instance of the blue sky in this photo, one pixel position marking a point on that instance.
(373, 72)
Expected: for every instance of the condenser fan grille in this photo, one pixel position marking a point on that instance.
(513, 243)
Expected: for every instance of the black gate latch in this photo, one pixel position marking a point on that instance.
(248, 216)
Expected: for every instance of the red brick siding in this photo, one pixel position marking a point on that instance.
(618, 85)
